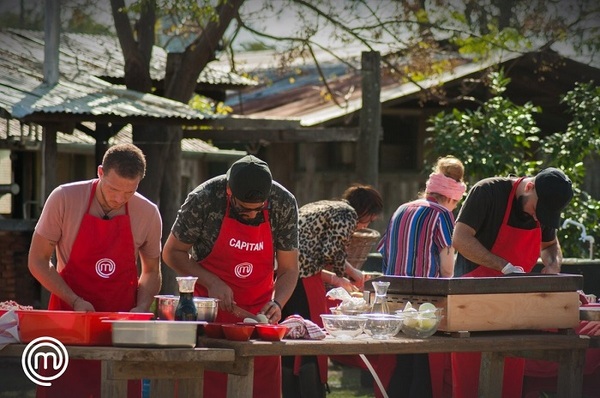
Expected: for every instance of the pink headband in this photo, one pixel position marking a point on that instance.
(449, 187)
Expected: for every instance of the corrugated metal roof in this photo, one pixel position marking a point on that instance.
(299, 94)
(101, 55)
(24, 95)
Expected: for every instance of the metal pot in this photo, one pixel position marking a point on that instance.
(167, 304)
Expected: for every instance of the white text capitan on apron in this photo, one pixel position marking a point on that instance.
(246, 246)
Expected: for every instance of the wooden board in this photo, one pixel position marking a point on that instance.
(502, 311)
(502, 284)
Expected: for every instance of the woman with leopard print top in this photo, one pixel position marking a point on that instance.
(325, 229)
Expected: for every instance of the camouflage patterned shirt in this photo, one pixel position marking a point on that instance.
(199, 218)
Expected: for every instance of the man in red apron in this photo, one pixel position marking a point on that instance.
(503, 227)
(228, 233)
(98, 228)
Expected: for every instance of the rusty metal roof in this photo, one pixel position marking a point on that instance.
(300, 92)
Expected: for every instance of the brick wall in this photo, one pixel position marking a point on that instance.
(16, 282)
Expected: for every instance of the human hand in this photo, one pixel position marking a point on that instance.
(347, 284)
(551, 269)
(358, 279)
(512, 269)
(140, 308)
(222, 292)
(355, 275)
(272, 310)
(80, 304)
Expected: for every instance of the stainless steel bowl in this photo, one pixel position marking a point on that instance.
(166, 305)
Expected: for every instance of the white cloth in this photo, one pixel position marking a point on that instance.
(512, 269)
(9, 329)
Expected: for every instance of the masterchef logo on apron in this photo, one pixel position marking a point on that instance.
(105, 267)
(243, 270)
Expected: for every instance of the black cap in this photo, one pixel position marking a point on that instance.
(250, 179)
(554, 191)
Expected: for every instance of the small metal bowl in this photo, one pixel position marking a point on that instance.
(167, 304)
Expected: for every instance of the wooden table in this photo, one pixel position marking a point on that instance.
(567, 350)
(162, 365)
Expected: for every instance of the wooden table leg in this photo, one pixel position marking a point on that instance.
(240, 385)
(160, 388)
(570, 373)
(111, 387)
(491, 373)
(191, 387)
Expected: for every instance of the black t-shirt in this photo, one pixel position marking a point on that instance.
(483, 210)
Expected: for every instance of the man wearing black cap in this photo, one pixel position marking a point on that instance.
(230, 233)
(503, 227)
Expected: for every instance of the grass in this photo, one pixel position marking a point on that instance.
(348, 382)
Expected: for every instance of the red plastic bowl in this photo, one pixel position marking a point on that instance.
(237, 332)
(214, 330)
(271, 332)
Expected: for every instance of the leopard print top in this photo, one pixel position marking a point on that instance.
(326, 228)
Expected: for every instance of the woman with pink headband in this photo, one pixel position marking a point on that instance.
(418, 242)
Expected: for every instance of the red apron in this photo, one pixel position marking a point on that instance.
(102, 270)
(520, 247)
(317, 305)
(243, 257)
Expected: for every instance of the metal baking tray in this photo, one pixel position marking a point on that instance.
(589, 313)
(154, 333)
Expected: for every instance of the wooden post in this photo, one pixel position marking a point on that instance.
(367, 149)
(51, 41)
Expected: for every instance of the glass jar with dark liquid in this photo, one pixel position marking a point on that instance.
(186, 309)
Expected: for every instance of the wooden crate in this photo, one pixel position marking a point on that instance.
(490, 304)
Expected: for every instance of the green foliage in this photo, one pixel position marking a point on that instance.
(572, 150)
(494, 139)
(81, 22)
(500, 138)
(256, 46)
(206, 105)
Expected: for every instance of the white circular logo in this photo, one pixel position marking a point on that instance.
(243, 270)
(47, 354)
(105, 267)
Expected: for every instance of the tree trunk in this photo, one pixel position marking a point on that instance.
(162, 144)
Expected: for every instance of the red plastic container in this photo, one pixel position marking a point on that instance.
(238, 332)
(271, 332)
(214, 330)
(72, 327)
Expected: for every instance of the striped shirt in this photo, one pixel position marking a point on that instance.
(416, 234)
